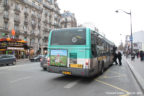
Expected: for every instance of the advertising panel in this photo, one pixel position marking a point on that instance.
(58, 57)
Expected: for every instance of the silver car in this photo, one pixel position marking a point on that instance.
(7, 59)
(43, 62)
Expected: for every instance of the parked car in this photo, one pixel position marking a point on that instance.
(7, 59)
(37, 58)
(43, 62)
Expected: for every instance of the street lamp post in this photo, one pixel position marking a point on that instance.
(131, 36)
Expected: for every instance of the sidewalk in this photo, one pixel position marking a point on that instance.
(23, 60)
(137, 68)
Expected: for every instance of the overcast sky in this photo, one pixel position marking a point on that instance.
(101, 13)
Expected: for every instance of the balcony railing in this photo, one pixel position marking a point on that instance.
(33, 15)
(6, 5)
(17, 20)
(38, 35)
(33, 23)
(6, 17)
(45, 21)
(46, 30)
(17, 31)
(4, 29)
(17, 10)
(45, 43)
(26, 12)
(39, 18)
(26, 21)
(25, 33)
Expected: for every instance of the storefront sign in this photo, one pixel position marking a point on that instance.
(15, 48)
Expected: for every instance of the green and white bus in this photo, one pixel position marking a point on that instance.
(78, 51)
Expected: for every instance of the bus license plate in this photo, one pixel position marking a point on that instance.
(66, 72)
(76, 65)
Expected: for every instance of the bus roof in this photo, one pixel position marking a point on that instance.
(69, 28)
(94, 32)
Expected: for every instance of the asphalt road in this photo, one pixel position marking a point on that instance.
(31, 80)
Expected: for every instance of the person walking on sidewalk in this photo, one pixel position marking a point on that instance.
(141, 55)
(138, 54)
(133, 56)
(119, 57)
(115, 58)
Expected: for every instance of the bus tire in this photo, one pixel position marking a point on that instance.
(44, 69)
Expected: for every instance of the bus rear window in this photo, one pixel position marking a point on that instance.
(69, 37)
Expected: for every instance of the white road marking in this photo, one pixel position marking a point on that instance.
(70, 85)
(20, 79)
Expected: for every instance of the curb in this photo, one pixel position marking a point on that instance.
(137, 76)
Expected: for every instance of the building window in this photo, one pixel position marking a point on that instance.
(6, 25)
(17, 6)
(33, 41)
(5, 12)
(17, 36)
(25, 38)
(25, 28)
(5, 2)
(16, 28)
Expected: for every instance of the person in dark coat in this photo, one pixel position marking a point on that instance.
(141, 55)
(119, 58)
(115, 58)
(133, 56)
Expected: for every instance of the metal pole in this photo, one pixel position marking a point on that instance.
(131, 36)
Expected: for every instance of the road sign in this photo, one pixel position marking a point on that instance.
(131, 38)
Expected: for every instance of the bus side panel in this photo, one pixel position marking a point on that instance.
(95, 65)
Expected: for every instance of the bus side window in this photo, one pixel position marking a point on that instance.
(93, 50)
(99, 46)
(93, 46)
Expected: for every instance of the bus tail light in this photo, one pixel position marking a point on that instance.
(87, 63)
(48, 60)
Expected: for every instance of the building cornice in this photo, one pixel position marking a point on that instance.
(32, 5)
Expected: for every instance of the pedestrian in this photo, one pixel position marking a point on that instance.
(137, 54)
(141, 55)
(119, 56)
(115, 58)
(133, 56)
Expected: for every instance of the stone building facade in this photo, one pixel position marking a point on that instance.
(31, 19)
(68, 20)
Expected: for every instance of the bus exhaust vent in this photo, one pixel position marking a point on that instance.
(73, 58)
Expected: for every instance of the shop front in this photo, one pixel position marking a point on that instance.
(17, 47)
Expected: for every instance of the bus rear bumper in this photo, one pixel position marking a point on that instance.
(69, 71)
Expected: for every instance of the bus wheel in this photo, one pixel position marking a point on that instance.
(44, 69)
